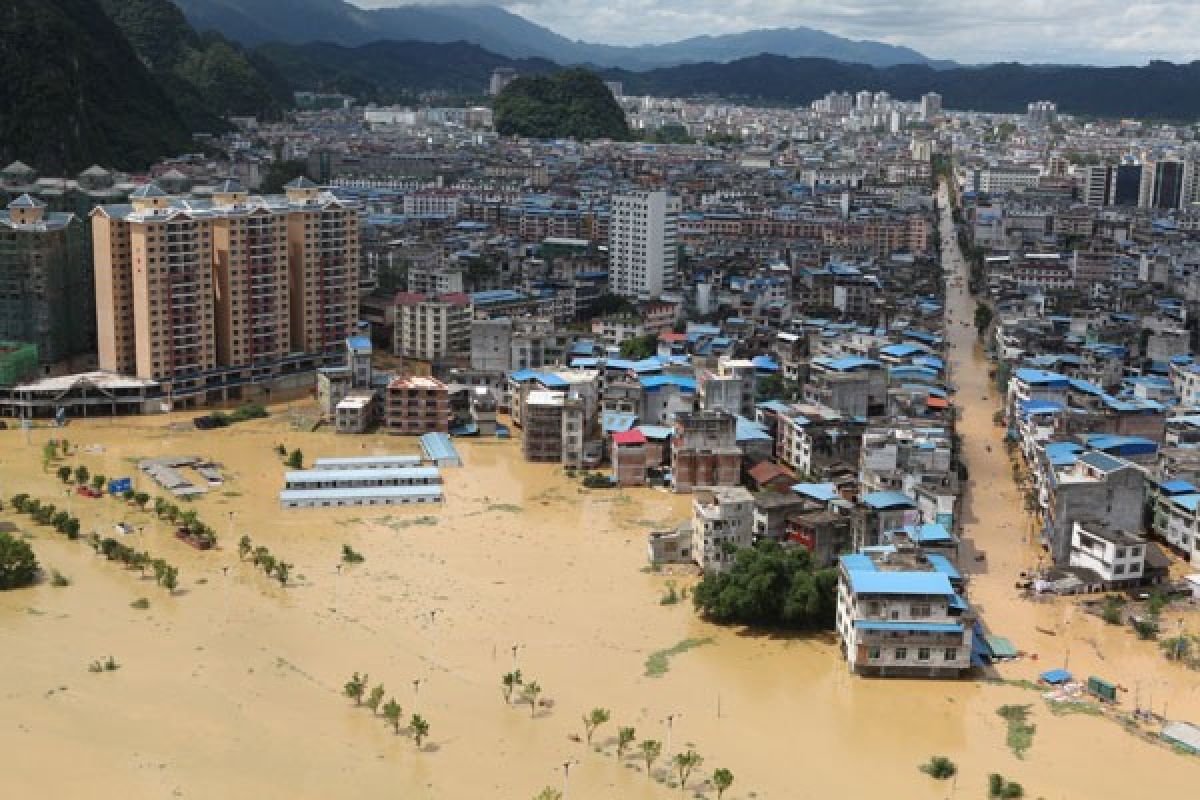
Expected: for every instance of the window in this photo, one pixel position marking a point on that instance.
(901, 653)
(951, 654)
(922, 654)
(873, 654)
(920, 610)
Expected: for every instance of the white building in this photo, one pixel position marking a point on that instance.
(722, 523)
(642, 244)
(1117, 556)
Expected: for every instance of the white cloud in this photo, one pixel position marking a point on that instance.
(971, 31)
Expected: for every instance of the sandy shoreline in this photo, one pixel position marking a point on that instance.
(232, 688)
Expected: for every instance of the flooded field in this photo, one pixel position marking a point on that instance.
(232, 687)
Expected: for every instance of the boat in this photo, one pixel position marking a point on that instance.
(1046, 631)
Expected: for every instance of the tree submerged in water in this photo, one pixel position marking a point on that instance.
(769, 585)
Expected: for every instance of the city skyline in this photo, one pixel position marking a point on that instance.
(1098, 32)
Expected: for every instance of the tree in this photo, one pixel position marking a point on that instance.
(722, 779)
(128, 495)
(64, 474)
(282, 571)
(170, 578)
(296, 459)
(392, 713)
(639, 347)
(98, 481)
(72, 529)
(49, 453)
(375, 698)
(939, 767)
(625, 737)
(685, 763)
(245, 547)
(769, 585)
(651, 750)
(509, 683)
(355, 687)
(983, 317)
(141, 498)
(160, 507)
(593, 720)
(529, 694)
(549, 793)
(18, 565)
(419, 728)
(81, 475)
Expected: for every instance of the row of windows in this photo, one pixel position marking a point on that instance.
(923, 654)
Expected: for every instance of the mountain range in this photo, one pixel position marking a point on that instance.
(254, 22)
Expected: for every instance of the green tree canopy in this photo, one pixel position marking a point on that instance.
(769, 585)
(18, 566)
(573, 103)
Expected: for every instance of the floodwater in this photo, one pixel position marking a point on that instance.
(232, 687)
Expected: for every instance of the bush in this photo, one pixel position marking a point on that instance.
(939, 767)
(58, 580)
(350, 555)
(18, 565)
(1146, 627)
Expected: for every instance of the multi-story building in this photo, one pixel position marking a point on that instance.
(210, 297)
(899, 615)
(417, 405)
(642, 244)
(1096, 487)
(704, 450)
(1118, 557)
(722, 523)
(45, 280)
(433, 329)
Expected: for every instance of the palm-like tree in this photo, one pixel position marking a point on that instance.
(529, 694)
(355, 687)
(419, 728)
(509, 683)
(375, 698)
(684, 764)
(392, 713)
(651, 750)
(593, 720)
(245, 547)
(81, 475)
(625, 737)
(722, 779)
(282, 571)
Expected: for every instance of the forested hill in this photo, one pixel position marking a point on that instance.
(573, 104)
(74, 92)
(208, 77)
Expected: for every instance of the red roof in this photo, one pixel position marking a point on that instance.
(409, 298)
(933, 401)
(767, 471)
(456, 299)
(633, 436)
(672, 337)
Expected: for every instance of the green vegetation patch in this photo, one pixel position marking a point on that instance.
(659, 661)
(1020, 733)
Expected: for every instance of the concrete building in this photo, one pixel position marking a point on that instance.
(356, 412)
(208, 297)
(416, 405)
(1116, 556)
(722, 523)
(704, 450)
(629, 458)
(898, 615)
(434, 328)
(642, 244)
(46, 297)
(1096, 487)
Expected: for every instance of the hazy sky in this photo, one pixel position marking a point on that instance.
(1061, 31)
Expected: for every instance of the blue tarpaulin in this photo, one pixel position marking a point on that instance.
(1055, 676)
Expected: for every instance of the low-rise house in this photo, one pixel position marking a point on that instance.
(356, 412)
(1116, 556)
(899, 615)
(722, 523)
(629, 458)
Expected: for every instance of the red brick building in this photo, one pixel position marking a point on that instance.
(416, 405)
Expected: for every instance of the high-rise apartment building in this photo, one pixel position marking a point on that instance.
(208, 296)
(43, 271)
(642, 244)
(931, 106)
(433, 329)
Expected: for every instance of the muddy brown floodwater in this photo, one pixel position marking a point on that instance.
(232, 687)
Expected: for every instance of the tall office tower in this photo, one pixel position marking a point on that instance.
(1095, 184)
(1162, 184)
(931, 106)
(250, 250)
(154, 288)
(322, 267)
(642, 244)
(1041, 113)
(45, 276)
(864, 101)
(1126, 185)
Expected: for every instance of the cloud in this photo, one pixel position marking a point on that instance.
(971, 31)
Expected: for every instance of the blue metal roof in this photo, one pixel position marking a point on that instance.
(777, 406)
(437, 447)
(886, 500)
(824, 492)
(656, 432)
(858, 562)
(362, 462)
(748, 430)
(616, 421)
(1102, 461)
(932, 583)
(919, 627)
(384, 474)
(657, 381)
(1188, 502)
(1177, 487)
(1039, 377)
(943, 565)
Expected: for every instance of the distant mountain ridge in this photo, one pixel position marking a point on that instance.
(254, 22)
(390, 71)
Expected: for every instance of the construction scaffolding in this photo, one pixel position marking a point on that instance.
(18, 362)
